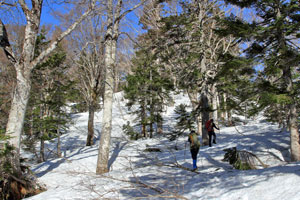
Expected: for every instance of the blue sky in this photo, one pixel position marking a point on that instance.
(46, 17)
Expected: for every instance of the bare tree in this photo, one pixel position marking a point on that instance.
(90, 66)
(114, 17)
(26, 63)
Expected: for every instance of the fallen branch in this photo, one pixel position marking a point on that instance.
(241, 159)
(259, 160)
(238, 131)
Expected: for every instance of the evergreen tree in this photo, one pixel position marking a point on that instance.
(45, 117)
(236, 86)
(149, 87)
(7, 82)
(272, 37)
(185, 121)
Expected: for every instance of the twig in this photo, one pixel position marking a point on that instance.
(238, 131)
(255, 156)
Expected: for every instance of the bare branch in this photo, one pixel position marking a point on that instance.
(54, 44)
(7, 4)
(24, 7)
(119, 18)
(131, 38)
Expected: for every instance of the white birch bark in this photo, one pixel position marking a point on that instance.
(111, 39)
(24, 66)
(225, 107)
(103, 151)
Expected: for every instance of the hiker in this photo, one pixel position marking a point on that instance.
(194, 147)
(210, 125)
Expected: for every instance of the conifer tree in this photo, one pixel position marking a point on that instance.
(272, 36)
(45, 117)
(235, 83)
(185, 120)
(149, 88)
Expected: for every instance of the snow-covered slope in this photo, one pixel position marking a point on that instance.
(135, 173)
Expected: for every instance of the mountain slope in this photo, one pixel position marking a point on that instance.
(136, 173)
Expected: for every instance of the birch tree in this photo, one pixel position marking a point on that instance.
(114, 17)
(192, 49)
(25, 64)
(88, 42)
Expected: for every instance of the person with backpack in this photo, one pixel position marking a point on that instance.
(210, 125)
(194, 147)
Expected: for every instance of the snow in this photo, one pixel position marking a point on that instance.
(137, 174)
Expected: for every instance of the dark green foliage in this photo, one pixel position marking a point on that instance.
(5, 152)
(129, 130)
(45, 114)
(236, 81)
(272, 46)
(13, 185)
(185, 119)
(148, 87)
(237, 159)
(241, 3)
(7, 82)
(179, 46)
(152, 149)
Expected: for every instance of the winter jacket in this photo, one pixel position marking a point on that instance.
(209, 125)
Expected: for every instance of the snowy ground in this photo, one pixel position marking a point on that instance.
(136, 174)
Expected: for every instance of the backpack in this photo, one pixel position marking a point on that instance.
(193, 139)
(208, 125)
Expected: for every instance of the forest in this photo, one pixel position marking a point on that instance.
(104, 79)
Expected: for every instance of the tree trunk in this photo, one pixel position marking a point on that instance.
(110, 54)
(111, 39)
(199, 125)
(58, 143)
(143, 120)
(226, 111)
(90, 136)
(151, 106)
(214, 103)
(295, 146)
(293, 116)
(160, 121)
(229, 118)
(42, 151)
(117, 80)
(205, 117)
(103, 154)
(23, 69)
(17, 112)
(193, 96)
(151, 118)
